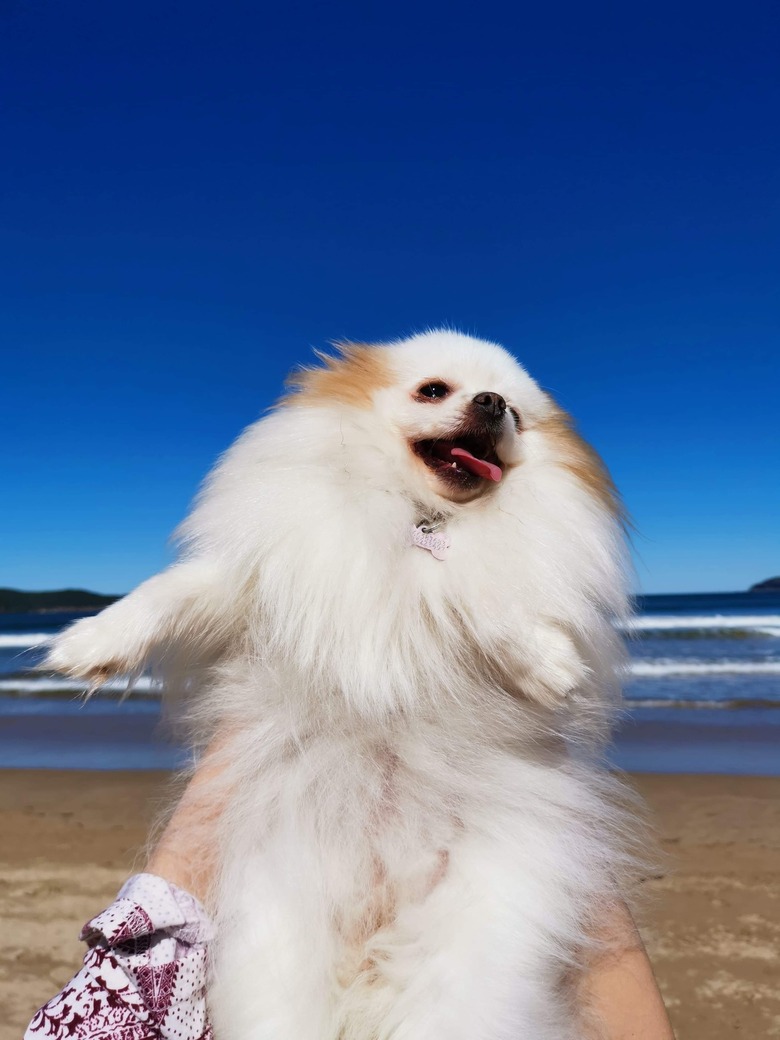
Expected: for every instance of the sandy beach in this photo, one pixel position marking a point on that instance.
(712, 927)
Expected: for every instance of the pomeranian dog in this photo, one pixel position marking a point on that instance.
(395, 606)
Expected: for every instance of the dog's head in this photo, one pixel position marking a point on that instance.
(454, 416)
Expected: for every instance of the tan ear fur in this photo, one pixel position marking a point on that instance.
(582, 461)
(351, 377)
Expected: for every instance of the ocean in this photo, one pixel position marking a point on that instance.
(702, 695)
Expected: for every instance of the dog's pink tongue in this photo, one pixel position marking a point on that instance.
(482, 468)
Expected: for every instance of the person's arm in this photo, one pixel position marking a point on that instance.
(620, 988)
(183, 852)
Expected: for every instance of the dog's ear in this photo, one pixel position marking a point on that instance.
(582, 461)
(351, 376)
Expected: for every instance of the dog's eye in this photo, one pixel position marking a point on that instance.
(434, 391)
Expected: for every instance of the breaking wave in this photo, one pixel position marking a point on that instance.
(709, 624)
(23, 640)
(42, 685)
(655, 669)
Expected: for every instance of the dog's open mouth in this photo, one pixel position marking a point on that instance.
(464, 461)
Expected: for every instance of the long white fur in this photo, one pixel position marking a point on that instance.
(415, 837)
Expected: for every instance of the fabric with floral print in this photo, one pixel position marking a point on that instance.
(144, 975)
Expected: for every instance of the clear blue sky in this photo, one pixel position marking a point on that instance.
(195, 194)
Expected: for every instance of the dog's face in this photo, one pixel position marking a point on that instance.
(462, 407)
(450, 409)
(470, 444)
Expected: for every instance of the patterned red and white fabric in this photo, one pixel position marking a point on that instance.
(144, 975)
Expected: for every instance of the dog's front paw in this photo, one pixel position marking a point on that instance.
(558, 668)
(91, 649)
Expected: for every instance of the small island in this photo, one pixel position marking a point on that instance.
(770, 585)
(14, 601)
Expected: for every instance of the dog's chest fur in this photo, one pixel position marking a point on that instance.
(354, 854)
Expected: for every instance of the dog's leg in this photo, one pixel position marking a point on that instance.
(474, 960)
(271, 969)
(186, 603)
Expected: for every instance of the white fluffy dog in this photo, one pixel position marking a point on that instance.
(395, 608)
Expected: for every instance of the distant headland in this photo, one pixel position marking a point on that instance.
(770, 585)
(14, 601)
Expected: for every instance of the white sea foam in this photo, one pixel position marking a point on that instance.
(43, 684)
(36, 686)
(638, 669)
(24, 640)
(655, 669)
(768, 623)
(695, 705)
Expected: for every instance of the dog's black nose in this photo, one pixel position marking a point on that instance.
(494, 404)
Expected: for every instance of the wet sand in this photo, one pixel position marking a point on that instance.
(712, 928)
